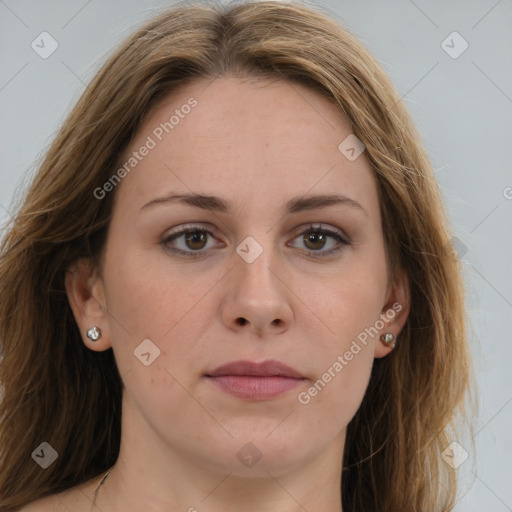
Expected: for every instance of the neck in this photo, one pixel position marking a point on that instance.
(272, 495)
(155, 475)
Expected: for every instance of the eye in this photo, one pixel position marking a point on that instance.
(315, 238)
(194, 240)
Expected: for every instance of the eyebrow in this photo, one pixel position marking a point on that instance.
(295, 205)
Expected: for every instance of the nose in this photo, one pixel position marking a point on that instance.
(258, 298)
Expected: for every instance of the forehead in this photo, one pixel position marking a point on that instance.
(256, 142)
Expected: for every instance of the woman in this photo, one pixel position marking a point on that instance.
(231, 283)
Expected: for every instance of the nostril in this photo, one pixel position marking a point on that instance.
(241, 321)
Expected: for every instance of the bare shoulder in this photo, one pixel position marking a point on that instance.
(46, 504)
(76, 499)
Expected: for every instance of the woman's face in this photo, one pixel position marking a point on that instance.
(251, 281)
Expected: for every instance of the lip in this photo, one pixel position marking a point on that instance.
(269, 368)
(255, 381)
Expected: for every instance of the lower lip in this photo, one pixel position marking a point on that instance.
(255, 388)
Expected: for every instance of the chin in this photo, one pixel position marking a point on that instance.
(257, 456)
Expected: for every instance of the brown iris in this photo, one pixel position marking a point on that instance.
(194, 237)
(315, 238)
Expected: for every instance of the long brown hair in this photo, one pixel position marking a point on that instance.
(55, 390)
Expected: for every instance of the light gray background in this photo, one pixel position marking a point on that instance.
(463, 108)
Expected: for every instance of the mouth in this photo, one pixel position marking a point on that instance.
(255, 381)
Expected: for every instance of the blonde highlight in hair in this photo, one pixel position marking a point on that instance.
(56, 390)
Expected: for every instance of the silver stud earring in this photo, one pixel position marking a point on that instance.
(94, 333)
(389, 340)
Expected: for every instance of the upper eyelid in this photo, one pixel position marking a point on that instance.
(199, 226)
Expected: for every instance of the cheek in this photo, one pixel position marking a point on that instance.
(147, 299)
(338, 386)
(340, 361)
(353, 299)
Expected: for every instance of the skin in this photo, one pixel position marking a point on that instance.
(257, 143)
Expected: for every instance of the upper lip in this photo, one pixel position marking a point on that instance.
(269, 368)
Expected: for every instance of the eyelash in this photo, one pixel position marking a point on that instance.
(342, 242)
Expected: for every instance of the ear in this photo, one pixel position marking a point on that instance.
(394, 312)
(86, 297)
